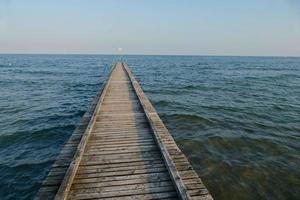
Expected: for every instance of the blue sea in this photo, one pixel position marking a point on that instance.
(236, 118)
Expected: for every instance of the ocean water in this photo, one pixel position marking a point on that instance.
(236, 118)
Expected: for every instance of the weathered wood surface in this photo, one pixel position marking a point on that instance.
(126, 152)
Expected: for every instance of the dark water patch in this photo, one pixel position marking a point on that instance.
(21, 181)
(244, 162)
(13, 141)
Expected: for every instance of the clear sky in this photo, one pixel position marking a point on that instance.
(185, 27)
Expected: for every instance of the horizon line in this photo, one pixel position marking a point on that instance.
(200, 55)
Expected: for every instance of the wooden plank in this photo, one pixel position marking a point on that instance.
(120, 173)
(120, 183)
(165, 195)
(94, 157)
(102, 161)
(121, 193)
(117, 169)
(123, 142)
(134, 186)
(137, 150)
(122, 148)
(119, 137)
(119, 165)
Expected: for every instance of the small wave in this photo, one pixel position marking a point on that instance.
(162, 103)
(56, 117)
(33, 162)
(42, 134)
(195, 119)
(190, 87)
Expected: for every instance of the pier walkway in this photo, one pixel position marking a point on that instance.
(124, 152)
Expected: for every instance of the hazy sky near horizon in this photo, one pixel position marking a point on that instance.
(185, 27)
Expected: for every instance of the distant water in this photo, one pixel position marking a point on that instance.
(236, 118)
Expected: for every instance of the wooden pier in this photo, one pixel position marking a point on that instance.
(122, 150)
